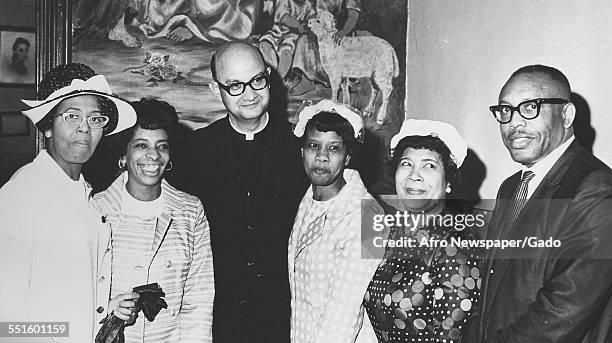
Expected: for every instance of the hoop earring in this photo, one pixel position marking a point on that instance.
(121, 163)
(170, 166)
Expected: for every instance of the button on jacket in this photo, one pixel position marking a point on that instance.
(562, 294)
(172, 250)
(53, 250)
(327, 273)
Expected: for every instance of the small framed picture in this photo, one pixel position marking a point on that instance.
(17, 56)
(13, 124)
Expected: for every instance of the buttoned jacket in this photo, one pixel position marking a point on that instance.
(327, 295)
(552, 294)
(172, 250)
(54, 251)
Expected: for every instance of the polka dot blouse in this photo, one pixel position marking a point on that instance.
(424, 293)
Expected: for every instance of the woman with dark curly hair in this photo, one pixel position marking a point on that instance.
(158, 233)
(423, 291)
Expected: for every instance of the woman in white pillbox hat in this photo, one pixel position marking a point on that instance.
(425, 287)
(55, 252)
(327, 273)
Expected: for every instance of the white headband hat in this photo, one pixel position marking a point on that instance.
(444, 131)
(95, 85)
(326, 105)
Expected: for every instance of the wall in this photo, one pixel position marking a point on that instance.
(16, 151)
(460, 53)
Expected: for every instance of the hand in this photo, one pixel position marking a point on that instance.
(124, 305)
(338, 36)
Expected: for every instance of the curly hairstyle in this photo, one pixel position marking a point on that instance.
(152, 114)
(331, 121)
(431, 143)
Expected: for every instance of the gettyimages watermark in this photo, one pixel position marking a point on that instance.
(534, 236)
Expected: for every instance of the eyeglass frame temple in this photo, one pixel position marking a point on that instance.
(538, 101)
(85, 118)
(266, 75)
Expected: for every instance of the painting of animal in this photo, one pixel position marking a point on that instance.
(356, 57)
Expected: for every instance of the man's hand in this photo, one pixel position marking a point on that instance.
(124, 305)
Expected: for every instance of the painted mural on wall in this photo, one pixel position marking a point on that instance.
(350, 50)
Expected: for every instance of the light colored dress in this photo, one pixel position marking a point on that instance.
(54, 251)
(327, 273)
(169, 245)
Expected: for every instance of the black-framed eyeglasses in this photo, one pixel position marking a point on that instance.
(528, 109)
(258, 82)
(75, 119)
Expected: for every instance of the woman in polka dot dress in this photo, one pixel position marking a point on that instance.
(424, 293)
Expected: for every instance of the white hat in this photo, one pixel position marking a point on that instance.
(444, 131)
(326, 105)
(54, 88)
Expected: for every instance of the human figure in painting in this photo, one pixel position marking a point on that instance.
(287, 46)
(15, 69)
(21, 49)
(246, 170)
(176, 20)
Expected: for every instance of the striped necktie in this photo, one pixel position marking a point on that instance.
(520, 198)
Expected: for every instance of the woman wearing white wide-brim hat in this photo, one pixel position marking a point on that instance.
(54, 253)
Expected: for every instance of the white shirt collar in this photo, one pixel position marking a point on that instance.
(135, 207)
(250, 135)
(59, 177)
(542, 167)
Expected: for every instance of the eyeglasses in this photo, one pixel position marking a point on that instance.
(237, 88)
(528, 109)
(76, 119)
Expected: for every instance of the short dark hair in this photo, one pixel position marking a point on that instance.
(553, 73)
(331, 121)
(19, 41)
(431, 143)
(152, 114)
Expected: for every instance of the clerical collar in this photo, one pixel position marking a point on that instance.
(250, 135)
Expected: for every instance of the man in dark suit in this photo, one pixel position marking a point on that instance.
(247, 170)
(563, 195)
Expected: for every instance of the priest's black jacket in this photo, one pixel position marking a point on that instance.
(250, 190)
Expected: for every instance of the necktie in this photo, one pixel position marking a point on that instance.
(520, 198)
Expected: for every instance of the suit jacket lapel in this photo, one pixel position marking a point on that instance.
(534, 208)
(503, 205)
